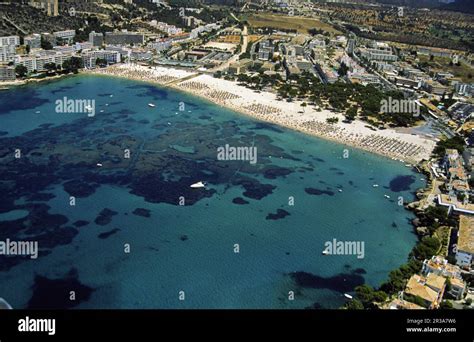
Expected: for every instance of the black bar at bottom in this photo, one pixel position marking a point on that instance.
(451, 325)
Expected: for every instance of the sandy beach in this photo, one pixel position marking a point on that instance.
(264, 106)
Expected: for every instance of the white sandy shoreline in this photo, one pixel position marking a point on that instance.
(264, 106)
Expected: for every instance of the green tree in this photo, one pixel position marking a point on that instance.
(50, 67)
(365, 293)
(428, 247)
(304, 105)
(351, 113)
(343, 69)
(73, 64)
(449, 286)
(101, 62)
(456, 143)
(354, 304)
(46, 44)
(446, 305)
(21, 70)
(415, 299)
(395, 283)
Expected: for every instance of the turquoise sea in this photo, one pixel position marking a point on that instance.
(277, 214)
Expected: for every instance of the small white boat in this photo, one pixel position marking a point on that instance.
(99, 164)
(151, 105)
(386, 196)
(340, 190)
(325, 252)
(4, 305)
(111, 95)
(347, 296)
(38, 111)
(198, 185)
(375, 185)
(101, 110)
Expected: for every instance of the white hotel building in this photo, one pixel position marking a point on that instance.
(10, 40)
(7, 48)
(38, 61)
(89, 58)
(67, 35)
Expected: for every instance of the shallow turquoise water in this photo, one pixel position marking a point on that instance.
(161, 261)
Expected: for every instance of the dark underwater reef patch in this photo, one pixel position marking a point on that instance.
(275, 172)
(80, 223)
(280, 214)
(268, 126)
(360, 271)
(105, 217)
(141, 212)
(40, 197)
(150, 91)
(239, 200)
(318, 192)
(79, 188)
(401, 183)
(253, 188)
(51, 239)
(124, 112)
(341, 282)
(20, 99)
(108, 234)
(39, 221)
(153, 188)
(61, 89)
(306, 168)
(66, 155)
(56, 293)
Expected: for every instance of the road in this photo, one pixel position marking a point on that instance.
(386, 82)
(235, 58)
